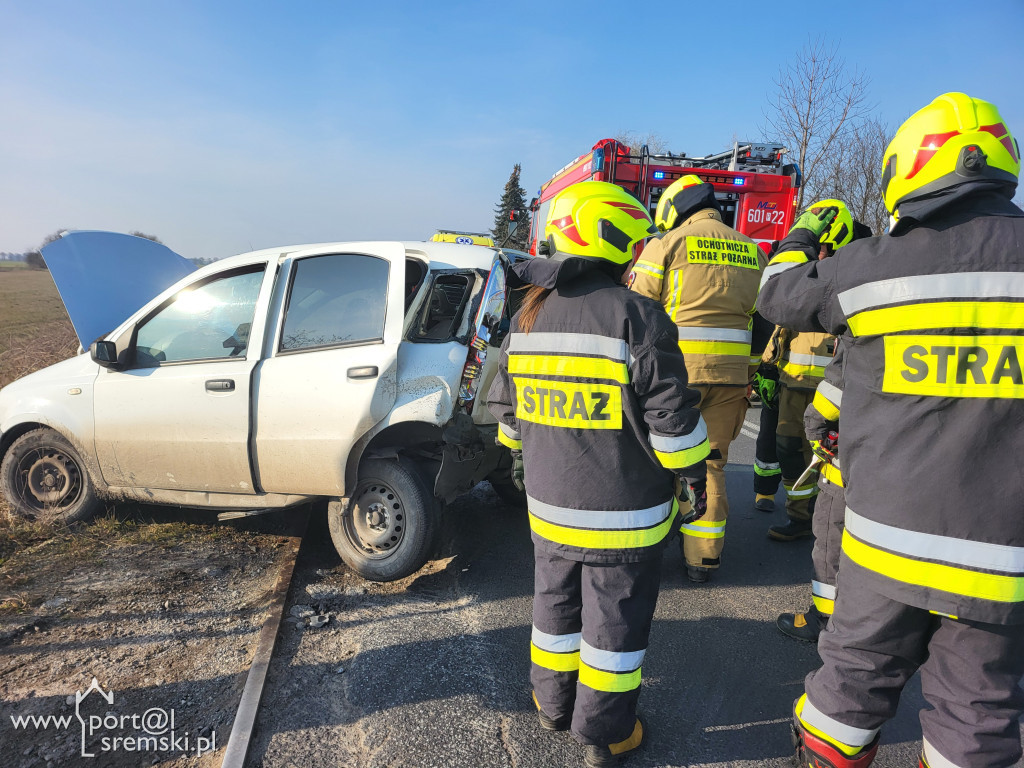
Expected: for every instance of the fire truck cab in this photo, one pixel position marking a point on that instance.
(756, 190)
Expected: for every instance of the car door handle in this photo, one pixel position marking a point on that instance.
(220, 385)
(365, 372)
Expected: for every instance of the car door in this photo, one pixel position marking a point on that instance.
(330, 373)
(178, 416)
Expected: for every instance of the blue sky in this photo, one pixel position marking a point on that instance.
(227, 126)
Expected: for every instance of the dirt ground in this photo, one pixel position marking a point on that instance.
(162, 607)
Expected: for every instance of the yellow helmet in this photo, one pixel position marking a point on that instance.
(953, 140)
(596, 220)
(840, 231)
(667, 213)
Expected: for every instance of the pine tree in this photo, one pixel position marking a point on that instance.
(512, 199)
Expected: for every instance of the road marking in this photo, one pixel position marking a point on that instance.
(742, 726)
(748, 433)
(754, 427)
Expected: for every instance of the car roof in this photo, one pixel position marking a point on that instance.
(439, 255)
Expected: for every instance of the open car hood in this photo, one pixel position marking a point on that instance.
(103, 277)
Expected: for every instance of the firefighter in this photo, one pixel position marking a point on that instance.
(932, 326)
(821, 428)
(801, 366)
(591, 389)
(706, 275)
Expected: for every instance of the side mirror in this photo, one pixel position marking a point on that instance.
(104, 353)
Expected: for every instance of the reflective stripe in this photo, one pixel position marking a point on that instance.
(824, 406)
(832, 393)
(714, 341)
(702, 529)
(942, 314)
(755, 360)
(935, 760)
(677, 294)
(958, 581)
(669, 444)
(965, 285)
(821, 589)
(683, 459)
(509, 437)
(801, 359)
(568, 343)
(694, 333)
(557, 643)
(824, 605)
(790, 257)
(557, 662)
(578, 367)
(603, 538)
(609, 520)
(832, 729)
(610, 661)
(802, 493)
(963, 552)
(652, 269)
(766, 469)
(774, 269)
(610, 682)
(832, 474)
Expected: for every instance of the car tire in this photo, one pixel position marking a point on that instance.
(390, 528)
(44, 479)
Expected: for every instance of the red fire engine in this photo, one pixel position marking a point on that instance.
(756, 190)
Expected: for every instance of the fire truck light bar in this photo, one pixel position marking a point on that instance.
(659, 174)
(739, 182)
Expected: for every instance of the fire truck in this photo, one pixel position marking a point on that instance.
(756, 190)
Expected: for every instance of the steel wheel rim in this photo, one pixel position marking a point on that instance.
(376, 523)
(48, 479)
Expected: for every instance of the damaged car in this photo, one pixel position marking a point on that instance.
(346, 371)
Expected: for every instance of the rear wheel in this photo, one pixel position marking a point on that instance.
(390, 528)
(44, 479)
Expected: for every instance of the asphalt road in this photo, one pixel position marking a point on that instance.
(437, 675)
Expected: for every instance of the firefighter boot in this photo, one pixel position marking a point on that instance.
(764, 502)
(804, 626)
(607, 757)
(791, 531)
(697, 573)
(551, 723)
(814, 751)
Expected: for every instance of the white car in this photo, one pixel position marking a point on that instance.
(343, 370)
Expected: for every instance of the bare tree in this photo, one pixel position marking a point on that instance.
(656, 144)
(852, 172)
(816, 105)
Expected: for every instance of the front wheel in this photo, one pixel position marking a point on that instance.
(390, 528)
(44, 479)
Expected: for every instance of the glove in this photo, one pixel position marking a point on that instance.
(693, 480)
(517, 470)
(826, 448)
(767, 390)
(817, 220)
(697, 493)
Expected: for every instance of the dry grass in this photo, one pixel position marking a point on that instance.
(34, 328)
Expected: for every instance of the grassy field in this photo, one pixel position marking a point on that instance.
(34, 328)
(12, 265)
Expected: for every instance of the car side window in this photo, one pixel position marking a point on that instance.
(208, 322)
(335, 300)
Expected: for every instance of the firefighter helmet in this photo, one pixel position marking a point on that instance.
(596, 220)
(953, 140)
(840, 231)
(667, 214)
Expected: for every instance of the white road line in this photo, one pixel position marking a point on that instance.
(748, 433)
(742, 726)
(754, 427)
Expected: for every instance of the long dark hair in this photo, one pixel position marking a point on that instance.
(530, 308)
